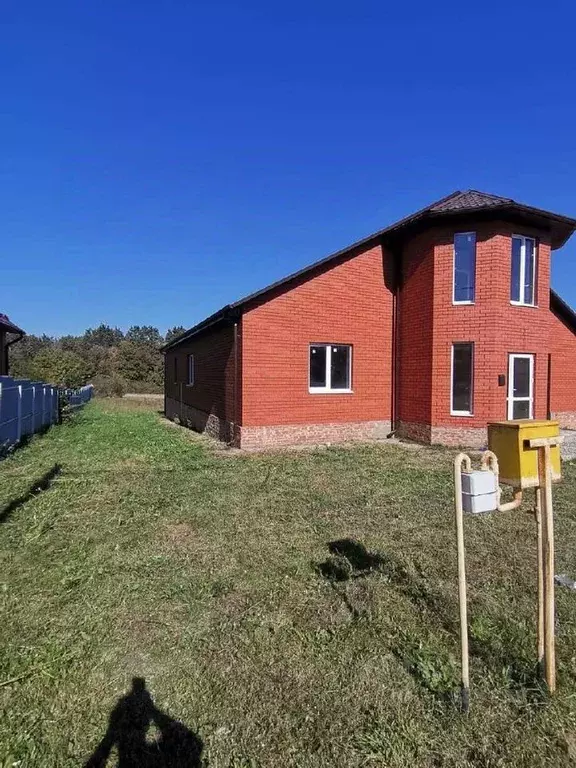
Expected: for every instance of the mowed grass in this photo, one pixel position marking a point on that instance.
(146, 554)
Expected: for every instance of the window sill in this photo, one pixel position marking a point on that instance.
(522, 304)
(462, 303)
(188, 385)
(319, 391)
(465, 414)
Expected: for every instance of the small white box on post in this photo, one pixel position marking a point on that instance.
(479, 491)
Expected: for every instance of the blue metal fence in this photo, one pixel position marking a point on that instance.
(78, 397)
(28, 406)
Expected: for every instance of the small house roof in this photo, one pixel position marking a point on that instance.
(7, 325)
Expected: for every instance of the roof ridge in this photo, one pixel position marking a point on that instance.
(442, 200)
(489, 194)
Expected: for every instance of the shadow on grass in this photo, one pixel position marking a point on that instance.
(349, 560)
(175, 747)
(501, 646)
(37, 487)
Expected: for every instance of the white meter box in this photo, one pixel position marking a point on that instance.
(479, 491)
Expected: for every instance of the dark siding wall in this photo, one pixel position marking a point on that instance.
(3, 354)
(213, 388)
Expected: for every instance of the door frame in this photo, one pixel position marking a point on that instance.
(510, 399)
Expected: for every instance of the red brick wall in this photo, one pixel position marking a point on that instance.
(415, 332)
(213, 389)
(494, 325)
(350, 303)
(563, 396)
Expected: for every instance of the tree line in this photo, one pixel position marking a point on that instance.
(114, 361)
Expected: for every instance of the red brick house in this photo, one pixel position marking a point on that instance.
(429, 329)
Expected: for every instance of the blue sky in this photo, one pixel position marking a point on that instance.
(160, 159)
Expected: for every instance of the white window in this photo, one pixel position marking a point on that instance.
(462, 378)
(521, 387)
(330, 368)
(523, 273)
(190, 381)
(464, 268)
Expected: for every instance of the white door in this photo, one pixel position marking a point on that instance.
(521, 386)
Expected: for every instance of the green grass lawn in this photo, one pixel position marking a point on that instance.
(128, 549)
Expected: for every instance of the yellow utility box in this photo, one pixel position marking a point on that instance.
(517, 462)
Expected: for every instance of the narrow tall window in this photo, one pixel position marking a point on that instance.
(464, 267)
(330, 368)
(190, 370)
(523, 273)
(175, 369)
(462, 378)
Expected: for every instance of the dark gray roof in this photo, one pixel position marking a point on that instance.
(563, 310)
(7, 325)
(457, 204)
(471, 200)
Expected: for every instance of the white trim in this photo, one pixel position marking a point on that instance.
(328, 390)
(452, 411)
(510, 399)
(467, 301)
(190, 371)
(523, 239)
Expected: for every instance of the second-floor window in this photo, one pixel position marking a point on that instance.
(464, 267)
(522, 284)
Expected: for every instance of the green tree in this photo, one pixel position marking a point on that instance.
(144, 334)
(103, 336)
(139, 362)
(60, 368)
(171, 333)
(22, 353)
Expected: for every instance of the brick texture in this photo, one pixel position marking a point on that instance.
(496, 327)
(200, 421)
(563, 373)
(351, 303)
(213, 392)
(312, 434)
(416, 333)
(472, 437)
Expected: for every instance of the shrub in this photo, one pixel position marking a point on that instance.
(109, 386)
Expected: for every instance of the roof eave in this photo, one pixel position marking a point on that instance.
(560, 227)
(563, 310)
(226, 314)
(11, 328)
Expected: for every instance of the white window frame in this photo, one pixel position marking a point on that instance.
(467, 301)
(523, 239)
(453, 412)
(327, 390)
(510, 399)
(190, 371)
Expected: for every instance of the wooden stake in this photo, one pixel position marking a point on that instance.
(545, 468)
(540, 561)
(465, 685)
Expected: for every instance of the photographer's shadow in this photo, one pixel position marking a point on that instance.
(175, 747)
